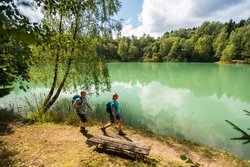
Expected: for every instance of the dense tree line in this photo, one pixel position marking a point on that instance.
(210, 42)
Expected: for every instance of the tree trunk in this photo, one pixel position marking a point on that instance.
(50, 101)
(44, 107)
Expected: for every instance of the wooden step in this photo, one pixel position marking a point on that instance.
(121, 144)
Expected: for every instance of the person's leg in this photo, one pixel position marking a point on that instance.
(108, 124)
(82, 123)
(120, 126)
(119, 121)
(82, 127)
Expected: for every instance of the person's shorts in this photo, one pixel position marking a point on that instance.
(82, 117)
(112, 120)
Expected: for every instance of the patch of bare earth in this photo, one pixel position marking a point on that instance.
(63, 145)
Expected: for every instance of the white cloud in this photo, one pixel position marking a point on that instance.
(33, 15)
(160, 16)
(126, 86)
(165, 98)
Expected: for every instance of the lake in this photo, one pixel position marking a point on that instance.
(185, 100)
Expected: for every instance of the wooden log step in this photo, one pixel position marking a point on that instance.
(121, 144)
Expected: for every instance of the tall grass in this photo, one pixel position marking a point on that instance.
(60, 112)
(131, 117)
(63, 112)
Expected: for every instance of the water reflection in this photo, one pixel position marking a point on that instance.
(180, 112)
(203, 79)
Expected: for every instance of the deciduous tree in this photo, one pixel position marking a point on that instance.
(71, 47)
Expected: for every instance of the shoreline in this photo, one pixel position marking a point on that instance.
(55, 139)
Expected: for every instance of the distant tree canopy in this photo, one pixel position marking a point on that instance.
(210, 42)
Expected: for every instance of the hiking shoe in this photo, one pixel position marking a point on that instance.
(121, 133)
(103, 130)
(83, 130)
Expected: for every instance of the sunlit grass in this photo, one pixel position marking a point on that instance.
(63, 112)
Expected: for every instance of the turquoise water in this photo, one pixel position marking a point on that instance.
(191, 101)
(186, 100)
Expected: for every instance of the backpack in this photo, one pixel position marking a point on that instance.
(74, 98)
(108, 107)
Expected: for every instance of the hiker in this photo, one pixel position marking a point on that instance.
(114, 115)
(80, 105)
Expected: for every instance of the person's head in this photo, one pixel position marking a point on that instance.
(115, 96)
(83, 93)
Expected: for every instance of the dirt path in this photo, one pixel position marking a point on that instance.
(63, 145)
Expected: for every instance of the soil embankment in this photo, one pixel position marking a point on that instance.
(64, 145)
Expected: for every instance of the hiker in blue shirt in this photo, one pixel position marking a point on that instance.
(80, 105)
(114, 116)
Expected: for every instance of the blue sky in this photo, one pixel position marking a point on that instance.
(130, 10)
(155, 17)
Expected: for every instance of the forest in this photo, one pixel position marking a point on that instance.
(210, 42)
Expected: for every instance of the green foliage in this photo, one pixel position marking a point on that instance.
(123, 50)
(16, 34)
(175, 51)
(219, 43)
(245, 50)
(182, 33)
(133, 51)
(107, 48)
(70, 43)
(14, 60)
(228, 53)
(188, 50)
(204, 48)
(205, 43)
(209, 28)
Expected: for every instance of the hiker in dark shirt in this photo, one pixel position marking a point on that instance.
(81, 104)
(114, 115)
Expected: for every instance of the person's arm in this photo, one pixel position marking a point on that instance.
(113, 112)
(89, 106)
(77, 104)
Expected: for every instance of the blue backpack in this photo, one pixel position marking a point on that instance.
(75, 97)
(108, 107)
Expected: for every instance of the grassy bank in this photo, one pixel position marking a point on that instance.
(28, 143)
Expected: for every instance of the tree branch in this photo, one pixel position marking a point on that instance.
(247, 112)
(245, 136)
